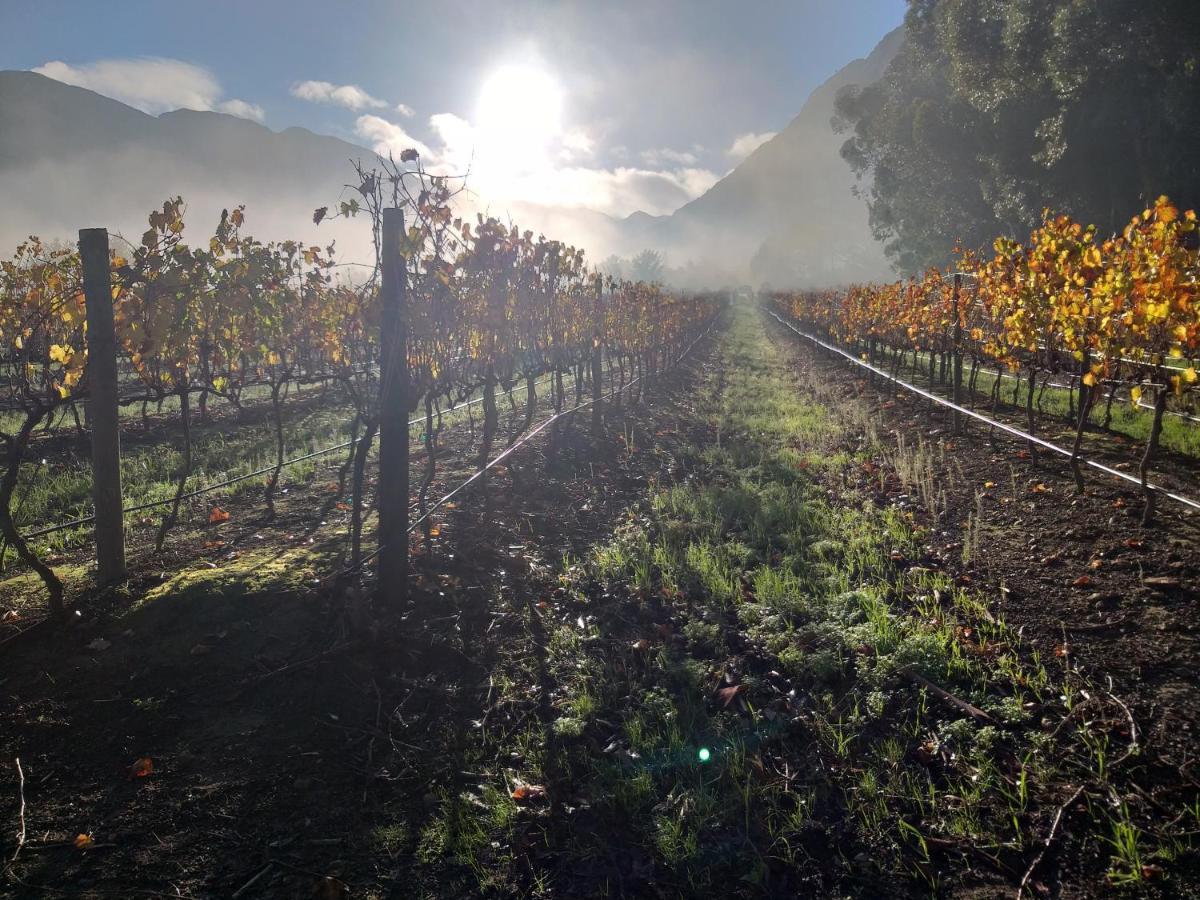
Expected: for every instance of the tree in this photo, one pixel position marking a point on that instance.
(647, 266)
(994, 110)
(613, 267)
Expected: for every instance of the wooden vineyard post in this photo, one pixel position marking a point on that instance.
(958, 424)
(393, 417)
(597, 372)
(102, 411)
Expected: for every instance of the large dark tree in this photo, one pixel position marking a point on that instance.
(995, 109)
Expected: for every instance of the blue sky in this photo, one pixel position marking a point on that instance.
(666, 88)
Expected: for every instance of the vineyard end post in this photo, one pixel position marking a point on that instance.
(102, 411)
(393, 416)
(597, 371)
(958, 423)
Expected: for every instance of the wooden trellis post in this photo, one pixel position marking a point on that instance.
(958, 352)
(597, 362)
(102, 412)
(393, 416)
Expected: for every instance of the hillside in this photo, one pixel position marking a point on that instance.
(71, 158)
(789, 206)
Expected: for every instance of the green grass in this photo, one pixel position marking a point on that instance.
(828, 769)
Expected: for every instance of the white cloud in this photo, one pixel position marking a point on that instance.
(559, 179)
(241, 109)
(665, 156)
(350, 96)
(618, 191)
(405, 110)
(151, 84)
(745, 144)
(386, 137)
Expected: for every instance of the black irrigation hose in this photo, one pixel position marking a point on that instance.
(1009, 429)
(141, 507)
(512, 447)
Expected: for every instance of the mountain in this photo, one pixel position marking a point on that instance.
(71, 158)
(787, 213)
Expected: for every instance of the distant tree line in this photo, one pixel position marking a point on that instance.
(995, 109)
(647, 266)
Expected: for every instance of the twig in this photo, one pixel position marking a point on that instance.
(1049, 840)
(291, 667)
(253, 880)
(20, 811)
(973, 711)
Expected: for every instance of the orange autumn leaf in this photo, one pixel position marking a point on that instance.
(526, 792)
(342, 505)
(141, 768)
(728, 693)
(217, 516)
(83, 841)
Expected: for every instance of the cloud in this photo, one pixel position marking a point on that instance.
(745, 144)
(457, 147)
(350, 96)
(666, 156)
(241, 109)
(151, 84)
(617, 192)
(387, 137)
(405, 110)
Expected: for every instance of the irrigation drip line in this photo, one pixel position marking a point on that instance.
(525, 438)
(1070, 387)
(1009, 429)
(324, 451)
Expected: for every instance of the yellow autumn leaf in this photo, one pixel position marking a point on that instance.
(1089, 379)
(59, 353)
(1135, 395)
(1190, 375)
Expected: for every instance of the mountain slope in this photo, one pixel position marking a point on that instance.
(788, 208)
(71, 158)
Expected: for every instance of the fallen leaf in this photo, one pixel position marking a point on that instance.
(141, 768)
(727, 694)
(83, 841)
(988, 485)
(1082, 581)
(1133, 543)
(1039, 488)
(1096, 563)
(527, 792)
(217, 516)
(342, 505)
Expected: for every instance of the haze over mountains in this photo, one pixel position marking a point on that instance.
(71, 158)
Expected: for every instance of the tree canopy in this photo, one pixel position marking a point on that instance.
(996, 109)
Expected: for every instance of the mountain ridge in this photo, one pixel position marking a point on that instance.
(71, 157)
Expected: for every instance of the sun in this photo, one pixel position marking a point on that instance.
(518, 120)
